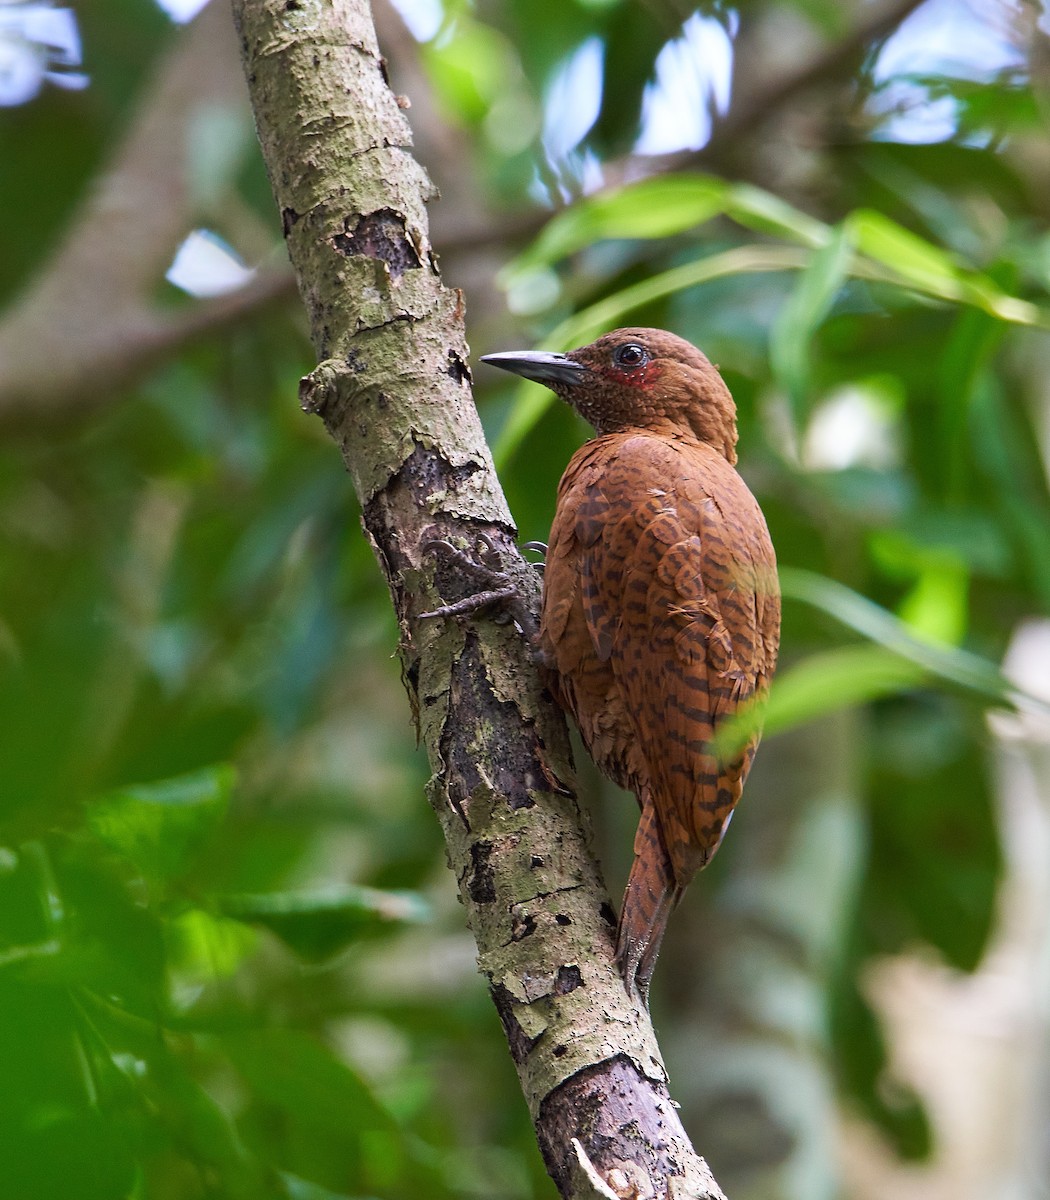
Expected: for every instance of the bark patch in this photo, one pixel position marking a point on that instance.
(382, 235)
(618, 1117)
(517, 1039)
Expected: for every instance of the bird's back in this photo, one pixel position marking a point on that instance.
(661, 615)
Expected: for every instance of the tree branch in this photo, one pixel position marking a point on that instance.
(394, 392)
(766, 92)
(89, 324)
(837, 60)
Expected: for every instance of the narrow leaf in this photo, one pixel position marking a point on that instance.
(659, 207)
(765, 213)
(821, 684)
(948, 663)
(806, 308)
(321, 922)
(934, 272)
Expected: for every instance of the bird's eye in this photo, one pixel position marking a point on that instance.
(630, 355)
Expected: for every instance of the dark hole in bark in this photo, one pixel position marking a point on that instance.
(519, 1042)
(380, 234)
(482, 885)
(457, 368)
(569, 979)
(522, 927)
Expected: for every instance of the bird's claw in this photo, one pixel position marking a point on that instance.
(488, 558)
(497, 586)
(490, 555)
(484, 565)
(539, 548)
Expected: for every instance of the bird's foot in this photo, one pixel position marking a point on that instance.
(496, 587)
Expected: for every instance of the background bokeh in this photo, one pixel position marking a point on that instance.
(232, 963)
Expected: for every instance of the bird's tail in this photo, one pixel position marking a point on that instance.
(648, 902)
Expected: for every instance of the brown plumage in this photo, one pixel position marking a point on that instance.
(661, 610)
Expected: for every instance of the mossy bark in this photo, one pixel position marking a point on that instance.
(393, 389)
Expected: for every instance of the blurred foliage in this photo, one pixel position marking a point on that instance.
(231, 962)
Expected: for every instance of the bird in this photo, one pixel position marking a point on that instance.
(660, 611)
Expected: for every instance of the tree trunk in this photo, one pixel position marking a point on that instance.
(393, 389)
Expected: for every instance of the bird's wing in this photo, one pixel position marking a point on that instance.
(578, 622)
(679, 594)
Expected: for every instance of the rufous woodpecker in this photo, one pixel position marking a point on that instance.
(661, 607)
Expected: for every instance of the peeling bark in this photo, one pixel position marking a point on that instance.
(393, 390)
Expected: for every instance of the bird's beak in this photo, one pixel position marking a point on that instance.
(539, 365)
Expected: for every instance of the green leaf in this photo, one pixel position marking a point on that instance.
(965, 360)
(664, 206)
(900, 660)
(205, 946)
(934, 272)
(470, 70)
(934, 845)
(820, 684)
(320, 923)
(926, 266)
(766, 213)
(316, 1117)
(61, 1152)
(1004, 446)
(659, 207)
(947, 663)
(836, 679)
(806, 308)
(901, 257)
(296, 1073)
(160, 826)
(937, 606)
(202, 1130)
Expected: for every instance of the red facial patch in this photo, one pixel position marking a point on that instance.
(638, 377)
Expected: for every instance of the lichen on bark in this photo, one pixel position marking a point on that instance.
(393, 389)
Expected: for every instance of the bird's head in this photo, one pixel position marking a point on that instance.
(636, 379)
